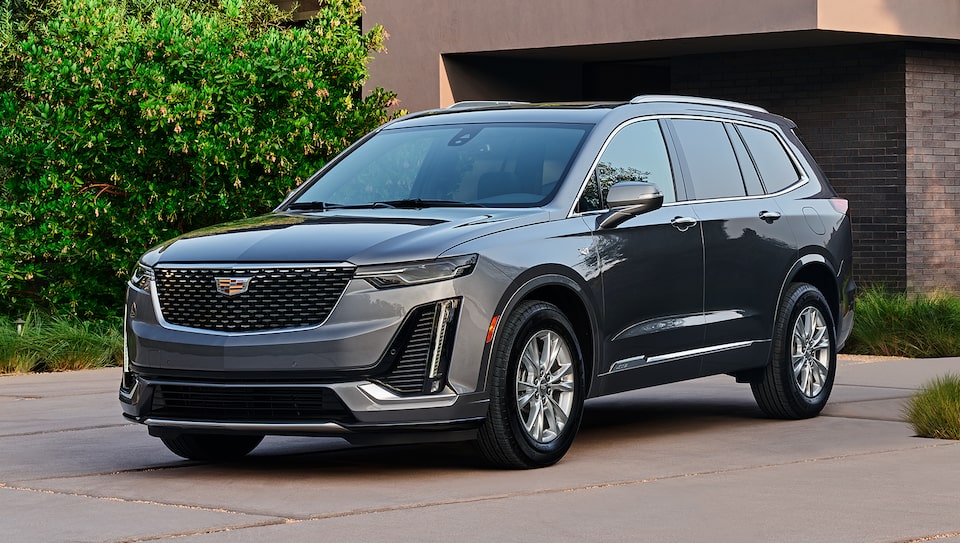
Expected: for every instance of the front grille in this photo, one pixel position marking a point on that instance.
(276, 298)
(410, 371)
(248, 404)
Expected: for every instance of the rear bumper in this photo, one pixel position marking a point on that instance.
(847, 305)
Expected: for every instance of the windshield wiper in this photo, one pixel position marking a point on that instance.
(418, 203)
(408, 203)
(325, 206)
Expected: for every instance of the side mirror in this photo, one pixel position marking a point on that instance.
(628, 199)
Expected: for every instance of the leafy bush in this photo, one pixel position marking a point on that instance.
(126, 123)
(935, 410)
(902, 325)
(59, 344)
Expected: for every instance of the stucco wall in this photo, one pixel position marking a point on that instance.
(422, 31)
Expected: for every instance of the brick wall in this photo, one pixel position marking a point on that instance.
(849, 103)
(933, 169)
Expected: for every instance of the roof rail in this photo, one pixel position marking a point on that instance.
(483, 103)
(653, 98)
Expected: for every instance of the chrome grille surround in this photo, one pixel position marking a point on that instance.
(280, 297)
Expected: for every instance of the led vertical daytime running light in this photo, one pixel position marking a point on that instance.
(445, 312)
(126, 349)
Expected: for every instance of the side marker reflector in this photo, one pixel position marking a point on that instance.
(492, 327)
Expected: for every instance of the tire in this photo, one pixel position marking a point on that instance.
(796, 384)
(536, 394)
(211, 447)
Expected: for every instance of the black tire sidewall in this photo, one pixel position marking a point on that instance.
(803, 297)
(531, 320)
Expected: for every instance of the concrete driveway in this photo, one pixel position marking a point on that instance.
(686, 462)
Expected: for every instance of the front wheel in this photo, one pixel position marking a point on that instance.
(211, 447)
(797, 382)
(536, 396)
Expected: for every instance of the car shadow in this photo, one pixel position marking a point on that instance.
(607, 422)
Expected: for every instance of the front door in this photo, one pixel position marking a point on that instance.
(651, 270)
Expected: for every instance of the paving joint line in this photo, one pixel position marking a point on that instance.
(882, 387)
(864, 417)
(20, 488)
(52, 396)
(64, 430)
(207, 531)
(283, 519)
(934, 537)
(616, 484)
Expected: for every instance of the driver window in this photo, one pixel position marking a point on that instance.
(636, 153)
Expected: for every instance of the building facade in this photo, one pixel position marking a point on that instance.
(874, 86)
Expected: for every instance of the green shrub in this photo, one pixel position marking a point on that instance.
(59, 344)
(902, 325)
(935, 410)
(126, 123)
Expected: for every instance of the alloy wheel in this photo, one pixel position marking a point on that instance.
(545, 386)
(810, 352)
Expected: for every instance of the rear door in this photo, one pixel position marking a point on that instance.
(748, 246)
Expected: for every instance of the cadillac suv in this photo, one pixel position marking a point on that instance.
(475, 273)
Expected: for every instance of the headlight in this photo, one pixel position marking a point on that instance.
(417, 273)
(142, 277)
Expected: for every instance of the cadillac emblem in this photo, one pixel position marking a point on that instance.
(231, 286)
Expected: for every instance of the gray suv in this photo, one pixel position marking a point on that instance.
(476, 273)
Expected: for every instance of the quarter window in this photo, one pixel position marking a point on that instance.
(776, 169)
(710, 159)
(636, 153)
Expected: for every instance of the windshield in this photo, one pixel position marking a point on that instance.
(474, 164)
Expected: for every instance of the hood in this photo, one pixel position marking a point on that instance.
(367, 236)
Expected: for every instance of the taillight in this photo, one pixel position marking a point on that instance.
(841, 205)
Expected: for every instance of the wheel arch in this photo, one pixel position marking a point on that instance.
(570, 294)
(816, 270)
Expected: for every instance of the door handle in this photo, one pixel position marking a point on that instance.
(770, 216)
(683, 223)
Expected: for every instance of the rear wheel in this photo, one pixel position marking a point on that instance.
(797, 382)
(211, 447)
(537, 391)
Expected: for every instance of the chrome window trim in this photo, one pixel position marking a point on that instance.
(803, 179)
(155, 296)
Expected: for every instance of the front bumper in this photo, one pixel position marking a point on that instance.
(383, 363)
(358, 411)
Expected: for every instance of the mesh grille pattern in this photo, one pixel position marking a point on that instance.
(276, 298)
(410, 372)
(248, 404)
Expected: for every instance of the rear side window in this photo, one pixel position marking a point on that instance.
(710, 159)
(776, 169)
